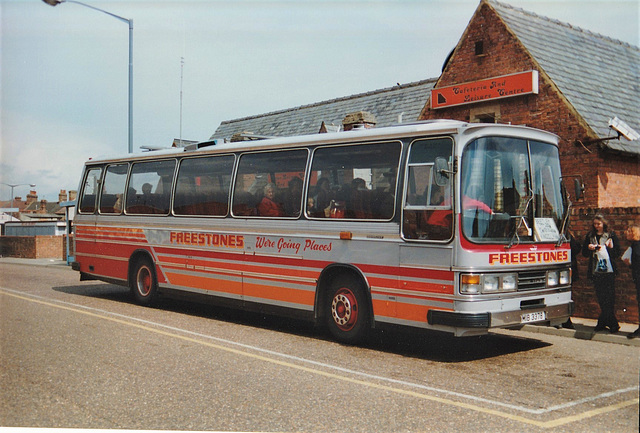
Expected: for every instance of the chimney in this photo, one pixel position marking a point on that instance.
(43, 206)
(32, 197)
(73, 194)
(62, 196)
(359, 120)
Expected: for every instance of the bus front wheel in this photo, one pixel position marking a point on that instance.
(143, 284)
(347, 312)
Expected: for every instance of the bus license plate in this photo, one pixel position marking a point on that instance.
(533, 317)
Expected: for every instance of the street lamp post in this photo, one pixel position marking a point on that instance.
(13, 185)
(130, 22)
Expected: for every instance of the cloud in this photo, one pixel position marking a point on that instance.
(47, 153)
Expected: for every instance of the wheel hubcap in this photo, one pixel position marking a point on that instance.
(344, 309)
(144, 281)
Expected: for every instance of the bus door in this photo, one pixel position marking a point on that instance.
(86, 217)
(426, 255)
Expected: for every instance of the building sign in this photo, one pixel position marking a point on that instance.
(506, 86)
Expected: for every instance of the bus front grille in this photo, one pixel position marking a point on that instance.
(531, 280)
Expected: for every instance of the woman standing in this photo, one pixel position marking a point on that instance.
(601, 246)
(633, 236)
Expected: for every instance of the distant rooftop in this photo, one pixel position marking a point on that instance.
(398, 104)
(598, 75)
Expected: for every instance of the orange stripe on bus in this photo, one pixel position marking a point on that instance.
(384, 308)
(416, 313)
(277, 293)
(205, 283)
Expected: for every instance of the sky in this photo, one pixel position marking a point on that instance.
(64, 69)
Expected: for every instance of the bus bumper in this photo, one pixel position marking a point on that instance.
(553, 315)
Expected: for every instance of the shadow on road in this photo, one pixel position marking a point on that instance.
(409, 342)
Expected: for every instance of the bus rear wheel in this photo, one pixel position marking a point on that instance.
(143, 282)
(347, 313)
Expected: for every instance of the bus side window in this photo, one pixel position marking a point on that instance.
(265, 183)
(354, 182)
(112, 197)
(149, 188)
(385, 197)
(90, 190)
(185, 196)
(202, 186)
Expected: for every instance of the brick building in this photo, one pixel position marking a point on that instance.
(575, 82)
(584, 80)
(38, 230)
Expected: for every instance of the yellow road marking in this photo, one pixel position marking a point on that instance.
(543, 424)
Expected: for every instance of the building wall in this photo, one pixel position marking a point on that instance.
(583, 293)
(611, 181)
(619, 181)
(39, 228)
(72, 252)
(32, 247)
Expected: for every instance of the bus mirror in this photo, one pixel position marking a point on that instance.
(442, 171)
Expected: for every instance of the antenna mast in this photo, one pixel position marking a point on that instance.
(181, 70)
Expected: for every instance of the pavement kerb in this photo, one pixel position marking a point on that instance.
(34, 262)
(584, 328)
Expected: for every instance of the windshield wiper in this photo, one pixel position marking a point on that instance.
(515, 239)
(562, 239)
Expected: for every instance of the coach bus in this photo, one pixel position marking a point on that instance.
(443, 225)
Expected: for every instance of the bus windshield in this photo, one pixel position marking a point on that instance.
(511, 190)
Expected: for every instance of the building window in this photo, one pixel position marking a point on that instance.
(479, 48)
(487, 114)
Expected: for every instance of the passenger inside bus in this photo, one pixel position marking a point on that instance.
(360, 200)
(323, 194)
(117, 206)
(146, 194)
(293, 197)
(385, 197)
(439, 221)
(474, 200)
(268, 206)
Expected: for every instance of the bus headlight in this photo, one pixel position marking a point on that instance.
(509, 282)
(553, 277)
(491, 283)
(488, 283)
(565, 277)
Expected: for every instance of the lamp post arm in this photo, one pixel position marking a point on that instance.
(130, 22)
(13, 185)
